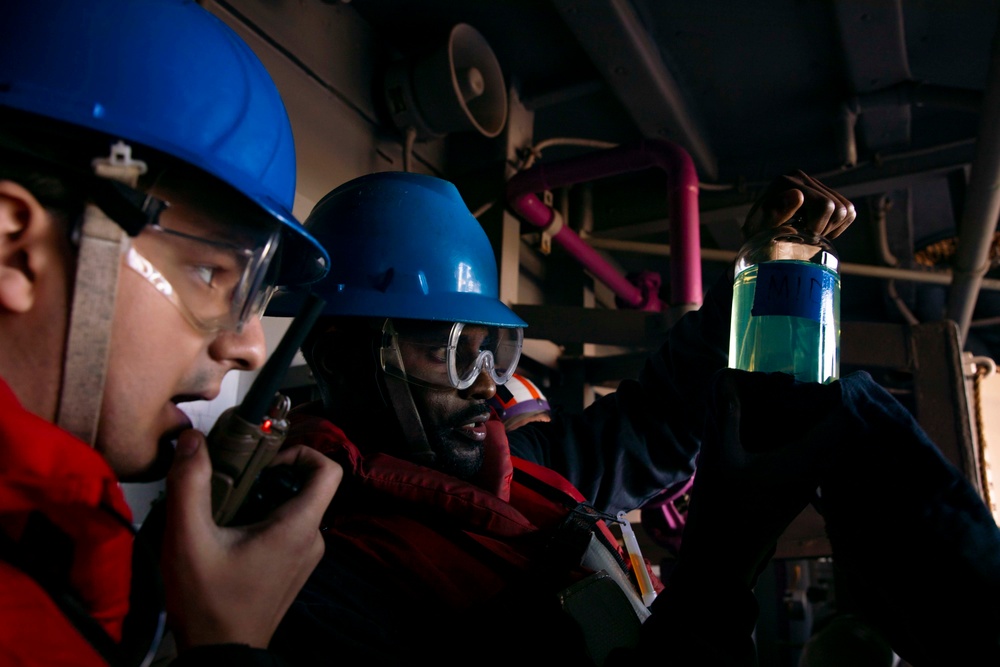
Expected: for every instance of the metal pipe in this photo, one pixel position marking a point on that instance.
(715, 255)
(682, 199)
(982, 206)
(847, 136)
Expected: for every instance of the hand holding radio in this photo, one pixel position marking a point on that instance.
(246, 437)
(226, 583)
(233, 584)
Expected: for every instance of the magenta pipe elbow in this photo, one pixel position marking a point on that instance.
(682, 200)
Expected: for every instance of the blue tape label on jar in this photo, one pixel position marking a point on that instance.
(796, 289)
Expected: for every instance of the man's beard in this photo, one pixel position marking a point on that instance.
(455, 455)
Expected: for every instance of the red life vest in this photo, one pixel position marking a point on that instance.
(442, 537)
(62, 511)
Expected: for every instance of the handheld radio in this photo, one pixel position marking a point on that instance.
(246, 437)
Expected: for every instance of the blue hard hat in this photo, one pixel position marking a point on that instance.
(410, 249)
(170, 76)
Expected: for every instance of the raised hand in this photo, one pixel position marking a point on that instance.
(803, 202)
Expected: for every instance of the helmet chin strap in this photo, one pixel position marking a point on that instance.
(409, 419)
(102, 242)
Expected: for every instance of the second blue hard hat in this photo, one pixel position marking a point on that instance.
(408, 248)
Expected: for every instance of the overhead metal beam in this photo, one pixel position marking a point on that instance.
(630, 61)
(892, 172)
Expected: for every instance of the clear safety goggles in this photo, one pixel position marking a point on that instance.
(449, 355)
(217, 285)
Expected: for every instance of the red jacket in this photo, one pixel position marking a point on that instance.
(60, 504)
(440, 537)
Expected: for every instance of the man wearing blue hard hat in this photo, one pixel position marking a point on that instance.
(446, 525)
(453, 541)
(145, 207)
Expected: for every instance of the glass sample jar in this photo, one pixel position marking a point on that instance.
(786, 306)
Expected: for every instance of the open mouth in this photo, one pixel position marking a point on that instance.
(473, 428)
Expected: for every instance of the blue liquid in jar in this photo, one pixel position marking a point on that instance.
(786, 318)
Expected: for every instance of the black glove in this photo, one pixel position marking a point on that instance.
(917, 551)
(766, 442)
(767, 439)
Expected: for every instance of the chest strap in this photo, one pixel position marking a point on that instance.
(582, 539)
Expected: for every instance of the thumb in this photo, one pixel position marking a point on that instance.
(189, 494)
(786, 207)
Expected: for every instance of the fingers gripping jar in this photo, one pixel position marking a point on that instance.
(786, 306)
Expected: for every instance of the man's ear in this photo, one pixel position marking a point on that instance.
(25, 231)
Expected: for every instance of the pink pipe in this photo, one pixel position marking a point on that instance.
(682, 199)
